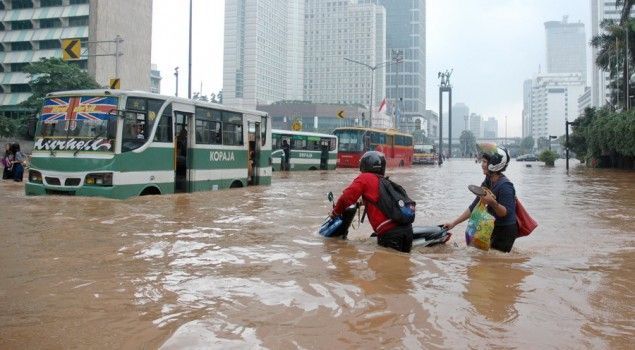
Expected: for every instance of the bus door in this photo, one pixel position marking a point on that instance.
(390, 143)
(182, 165)
(253, 153)
(324, 154)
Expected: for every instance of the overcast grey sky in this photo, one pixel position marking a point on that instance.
(492, 45)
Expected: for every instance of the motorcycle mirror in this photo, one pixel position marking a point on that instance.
(329, 196)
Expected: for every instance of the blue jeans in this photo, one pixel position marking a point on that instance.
(18, 172)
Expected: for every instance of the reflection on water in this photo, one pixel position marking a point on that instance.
(245, 269)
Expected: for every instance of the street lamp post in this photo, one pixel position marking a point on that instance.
(551, 137)
(176, 75)
(372, 83)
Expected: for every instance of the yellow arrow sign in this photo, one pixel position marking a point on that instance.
(340, 114)
(71, 49)
(115, 83)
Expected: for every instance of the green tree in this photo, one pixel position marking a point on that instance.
(198, 96)
(468, 142)
(8, 127)
(52, 74)
(527, 145)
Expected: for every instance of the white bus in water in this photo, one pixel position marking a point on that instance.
(308, 150)
(117, 143)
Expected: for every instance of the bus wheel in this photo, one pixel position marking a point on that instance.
(236, 184)
(401, 164)
(149, 191)
(312, 168)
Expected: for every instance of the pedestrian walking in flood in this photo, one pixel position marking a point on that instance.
(500, 199)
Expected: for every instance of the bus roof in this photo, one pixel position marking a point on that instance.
(305, 133)
(383, 131)
(137, 93)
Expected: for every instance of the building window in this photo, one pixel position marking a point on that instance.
(50, 44)
(18, 67)
(78, 21)
(50, 23)
(17, 25)
(20, 88)
(21, 46)
(49, 3)
(21, 4)
(77, 2)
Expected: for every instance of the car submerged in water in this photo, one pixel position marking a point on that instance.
(527, 158)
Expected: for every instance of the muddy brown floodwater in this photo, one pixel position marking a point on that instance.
(245, 269)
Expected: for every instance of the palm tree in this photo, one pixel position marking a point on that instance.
(611, 44)
(627, 5)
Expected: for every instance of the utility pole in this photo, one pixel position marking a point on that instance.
(176, 75)
(398, 58)
(372, 83)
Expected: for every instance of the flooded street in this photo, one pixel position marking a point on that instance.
(245, 268)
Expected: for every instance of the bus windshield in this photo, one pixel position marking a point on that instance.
(85, 123)
(350, 140)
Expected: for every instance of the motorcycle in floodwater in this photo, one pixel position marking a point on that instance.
(423, 236)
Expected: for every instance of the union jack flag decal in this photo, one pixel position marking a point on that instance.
(72, 109)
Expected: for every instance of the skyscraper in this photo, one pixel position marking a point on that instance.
(566, 47)
(527, 90)
(460, 120)
(263, 56)
(554, 99)
(406, 43)
(490, 128)
(340, 30)
(31, 30)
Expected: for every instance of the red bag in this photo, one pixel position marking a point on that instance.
(526, 224)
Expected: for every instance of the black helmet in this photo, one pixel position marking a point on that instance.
(373, 162)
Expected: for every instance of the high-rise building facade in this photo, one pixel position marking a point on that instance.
(490, 128)
(34, 29)
(155, 79)
(554, 99)
(566, 47)
(601, 10)
(476, 125)
(337, 33)
(406, 48)
(527, 90)
(263, 51)
(460, 120)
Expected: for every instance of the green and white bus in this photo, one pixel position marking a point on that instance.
(119, 144)
(308, 150)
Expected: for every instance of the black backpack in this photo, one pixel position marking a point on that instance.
(395, 203)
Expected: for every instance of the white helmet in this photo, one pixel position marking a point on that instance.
(497, 157)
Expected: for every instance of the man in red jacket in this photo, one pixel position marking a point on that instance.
(366, 185)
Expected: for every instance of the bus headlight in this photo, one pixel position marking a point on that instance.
(99, 179)
(35, 176)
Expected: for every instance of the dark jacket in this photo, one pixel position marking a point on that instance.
(505, 194)
(366, 185)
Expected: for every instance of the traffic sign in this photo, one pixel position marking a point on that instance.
(340, 114)
(296, 125)
(115, 83)
(71, 49)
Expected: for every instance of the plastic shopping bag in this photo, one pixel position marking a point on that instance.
(480, 227)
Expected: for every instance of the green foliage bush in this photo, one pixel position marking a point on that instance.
(549, 157)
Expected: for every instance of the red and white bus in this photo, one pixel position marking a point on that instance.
(354, 141)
